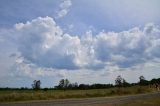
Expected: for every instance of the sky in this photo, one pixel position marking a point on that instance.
(85, 41)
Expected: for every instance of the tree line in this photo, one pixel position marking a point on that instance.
(65, 84)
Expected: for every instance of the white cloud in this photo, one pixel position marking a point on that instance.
(45, 50)
(64, 8)
(44, 44)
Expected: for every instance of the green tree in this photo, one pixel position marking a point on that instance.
(63, 84)
(119, 81)
(143, 81)
(125, 83)
(36, 84)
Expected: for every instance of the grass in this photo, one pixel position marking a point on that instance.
(26, 95)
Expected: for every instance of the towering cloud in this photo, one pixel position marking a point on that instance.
(44, 44)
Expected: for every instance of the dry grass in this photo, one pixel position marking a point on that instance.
(25, 95)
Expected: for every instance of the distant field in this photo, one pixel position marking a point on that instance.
(26, 95)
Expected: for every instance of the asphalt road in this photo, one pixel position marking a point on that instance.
(85, 101)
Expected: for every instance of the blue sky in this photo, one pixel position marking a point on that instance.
(86, 41)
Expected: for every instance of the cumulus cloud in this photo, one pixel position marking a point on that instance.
(43, 49)
(43, 43)
(64, 8)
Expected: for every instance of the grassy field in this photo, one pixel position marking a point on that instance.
(25, 95)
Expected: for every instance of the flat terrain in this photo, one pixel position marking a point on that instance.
(29, 95)
(99, 101)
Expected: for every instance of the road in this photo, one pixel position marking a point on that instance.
(84, 102)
